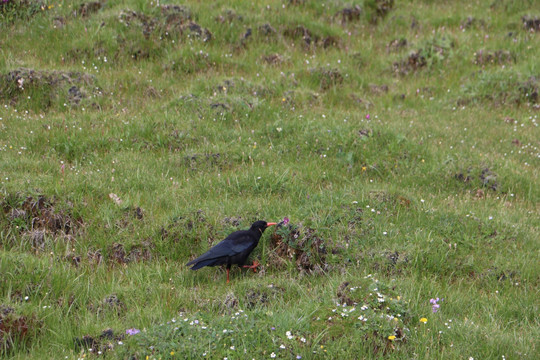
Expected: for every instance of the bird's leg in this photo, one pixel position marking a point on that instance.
(254, 266)
(227, 275)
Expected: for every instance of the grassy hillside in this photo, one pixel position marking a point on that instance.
(399, 137)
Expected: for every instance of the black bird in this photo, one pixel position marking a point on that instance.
(234, 249)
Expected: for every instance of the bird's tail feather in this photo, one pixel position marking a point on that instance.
(200, 264)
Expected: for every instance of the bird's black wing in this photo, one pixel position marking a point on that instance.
(234, 244)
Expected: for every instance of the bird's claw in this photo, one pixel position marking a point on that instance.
(254, 266)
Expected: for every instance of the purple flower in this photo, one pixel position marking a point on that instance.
(132, 331)
(285, 220)
(368, 117)
(434, 306)
(272, 328)
(298, 357)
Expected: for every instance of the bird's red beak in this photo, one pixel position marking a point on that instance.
(270, 224)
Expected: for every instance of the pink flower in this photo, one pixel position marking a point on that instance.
(368, 117)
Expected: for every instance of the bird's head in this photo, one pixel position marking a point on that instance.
(260, 225)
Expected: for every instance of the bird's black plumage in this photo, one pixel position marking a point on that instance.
(234, 249)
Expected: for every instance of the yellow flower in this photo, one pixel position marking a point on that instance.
(423, 320)
(364, 168)
(392, 337)
(172, 353)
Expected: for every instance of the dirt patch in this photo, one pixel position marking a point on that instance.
(261, 296)
(219, 105)
(390, 200)
(140, 252)
(434, 51)
(245, 36)
(172, 20)
(529, 89)
(36, 238)
(500, 274)
(197, 161)
(267, 30)
(500, 89)
(73, 258)
(233, 221)
(16, 328)
(330, 41)
(301, 245)
(300, 32)
(94, 256)
(499, 57)
(75, 95)
(225, 86)
(343, 294)
(416, 60)
(364, 133)
(327, 77)
(309, 38)
(230, 301)
(130, 213)
(273, 59)
(17, 85)
(88, 8)
(138, 213)
(472, 22)
(378, 89)
(229, 16)
(39, 221)
(117, 253)
(390, 262)
(379, 9)
(396, 45)
(348, 14)
(478, 178)
(464, 177)
(198, 31)
(99, 344)
(489, 179)
(531, 23)
(59, 22)
(96, 49)
(110, 303)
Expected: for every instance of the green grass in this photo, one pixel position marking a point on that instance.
(134, 142)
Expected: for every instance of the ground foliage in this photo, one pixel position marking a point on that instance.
(396, 142)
